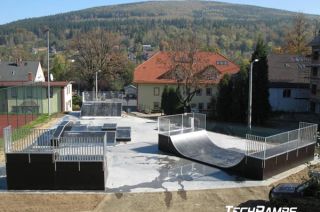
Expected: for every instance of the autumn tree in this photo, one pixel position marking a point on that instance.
(60, 68)
(297, 36)
(99, 50)
(185, 65)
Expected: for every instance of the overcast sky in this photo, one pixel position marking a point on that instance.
(12, 10)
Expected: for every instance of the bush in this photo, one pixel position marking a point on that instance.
(170, 103)
(76, 102)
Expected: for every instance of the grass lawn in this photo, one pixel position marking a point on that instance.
(26, 129)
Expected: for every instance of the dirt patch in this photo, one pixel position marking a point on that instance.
(49, 202)
(204, 200)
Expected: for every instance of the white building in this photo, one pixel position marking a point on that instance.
(288, 83)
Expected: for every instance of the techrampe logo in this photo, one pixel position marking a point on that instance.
(260, 208)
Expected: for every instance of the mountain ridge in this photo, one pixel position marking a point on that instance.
(232, 28)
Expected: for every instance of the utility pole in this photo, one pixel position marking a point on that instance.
(49, 112)
(250, 94)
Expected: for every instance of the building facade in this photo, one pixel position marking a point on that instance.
(152, 76)
(289, 83)
(23, 89)
(315, 75)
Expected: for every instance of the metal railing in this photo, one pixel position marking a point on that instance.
(265, 147)
(181, 123)
(27, 140)
(31, 141)
(80, 149)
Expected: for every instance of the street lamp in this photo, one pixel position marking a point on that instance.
(48, 46)
(250, 93)
(97, 83)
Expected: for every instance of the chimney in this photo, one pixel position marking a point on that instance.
(30, 76)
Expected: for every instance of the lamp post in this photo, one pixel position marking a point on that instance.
(48, 46)
(250, 93)
(97, 83)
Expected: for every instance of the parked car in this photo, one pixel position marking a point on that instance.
(306, 194)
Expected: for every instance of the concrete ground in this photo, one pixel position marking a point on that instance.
(138, 166)
(137, 169)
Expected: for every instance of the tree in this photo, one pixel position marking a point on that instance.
(224, 99)
(60, 68)
(260, 91)
(98, 50)
(170, 103)
(185, 64)
(232, 100)
(297, 36)
(164, 100)
(239, 95)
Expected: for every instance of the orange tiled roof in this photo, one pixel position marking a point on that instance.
(151, 70)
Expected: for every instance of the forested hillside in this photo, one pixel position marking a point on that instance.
(229, 28)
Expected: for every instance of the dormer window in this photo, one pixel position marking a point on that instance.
(222, 62)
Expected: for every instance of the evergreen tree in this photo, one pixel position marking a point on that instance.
(170, 103)
(260, 83)
(239, 95)
(164, 100)
(174, 106)
(224, 99)
(213, 106)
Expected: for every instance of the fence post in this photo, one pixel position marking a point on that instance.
(264, 152)
(299, 138)
(182, 121)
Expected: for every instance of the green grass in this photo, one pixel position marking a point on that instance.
(26, 129)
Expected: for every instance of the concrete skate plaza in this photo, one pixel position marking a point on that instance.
(138, 165)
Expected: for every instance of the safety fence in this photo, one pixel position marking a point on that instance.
(266, 147)
(34, 141)
(103, 96)
(181, 123)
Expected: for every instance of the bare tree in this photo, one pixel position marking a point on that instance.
(297, 36)
(98, 50)
(186, 65)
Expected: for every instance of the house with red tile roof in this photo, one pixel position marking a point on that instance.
(152, 76)
(23, 89)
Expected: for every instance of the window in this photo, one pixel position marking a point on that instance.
(199, 92)
(222, 62)
(156, 91)
(29, 92)
(286, 93)
(312, 106)
(193, 105)
(14, 92)
(200, 106)
(314, 71)
(315, 55)
(51, 92)
(314, 89)
(209, 91)
(156, 105)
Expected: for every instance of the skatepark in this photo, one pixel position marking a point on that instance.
(173, 153)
